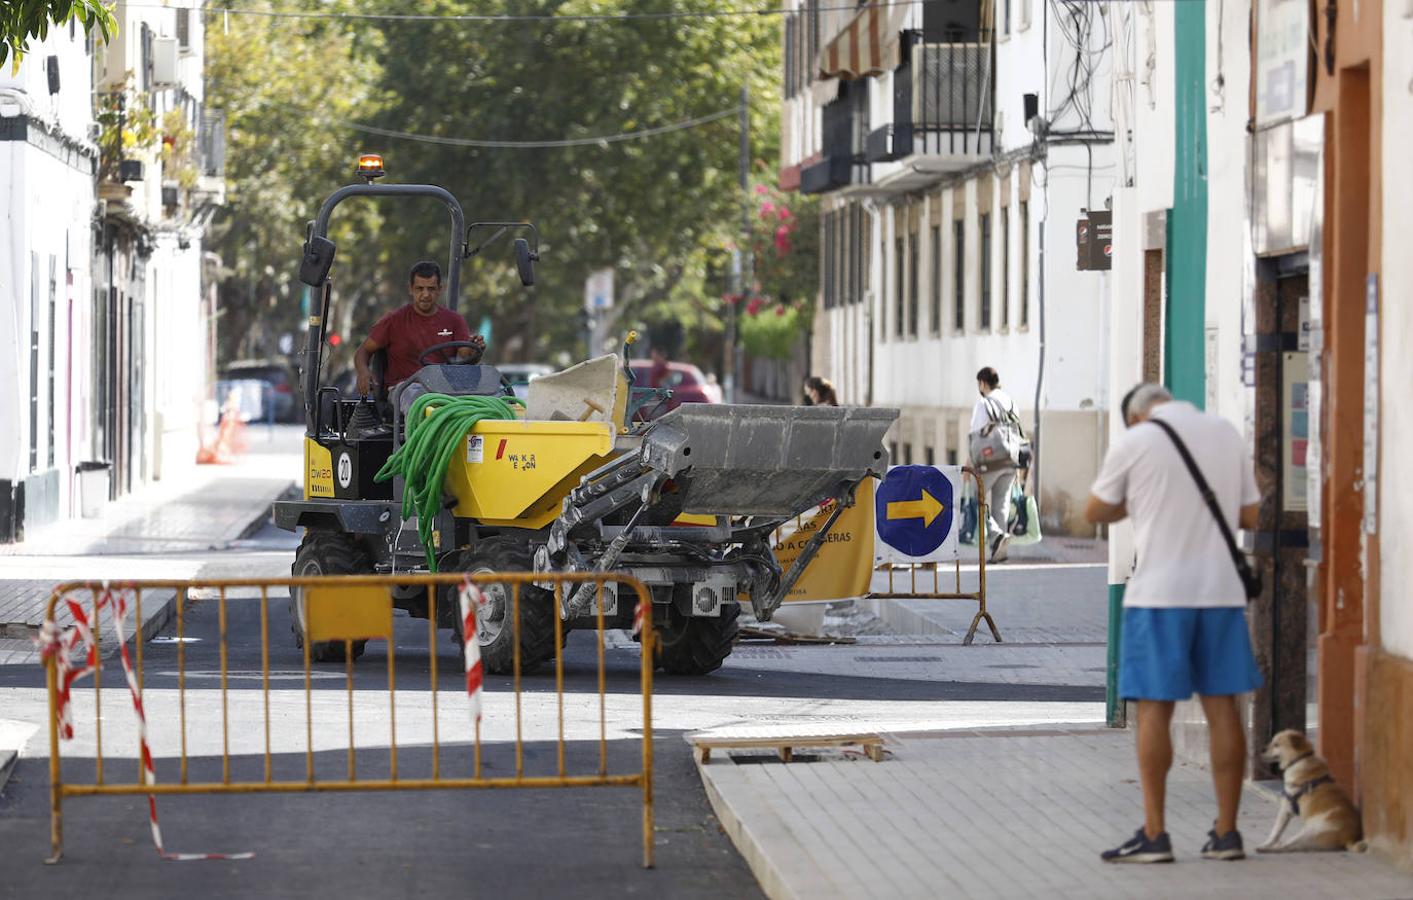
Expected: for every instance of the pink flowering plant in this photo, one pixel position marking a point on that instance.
(784, 246)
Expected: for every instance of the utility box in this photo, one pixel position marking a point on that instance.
(164, 62)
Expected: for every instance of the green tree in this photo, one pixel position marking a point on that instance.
(279, 88)
(24, 20)
(661, 211)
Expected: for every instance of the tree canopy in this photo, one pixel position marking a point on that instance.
(24, 20)
(663, 211)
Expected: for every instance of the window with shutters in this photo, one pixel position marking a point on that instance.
(984, 270)
(935, 307)
(1005, 298)
(959, 275)
(1024, 279)
(898, 287)
(913, 253)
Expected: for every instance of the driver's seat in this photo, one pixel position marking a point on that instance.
(454, 380)
(378, 364)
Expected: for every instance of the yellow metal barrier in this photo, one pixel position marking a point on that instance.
(977, 596)
(348, 609)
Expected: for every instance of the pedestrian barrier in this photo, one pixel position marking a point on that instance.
(977, 596)
(347, 610)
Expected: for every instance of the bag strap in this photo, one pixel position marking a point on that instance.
(1207, 495)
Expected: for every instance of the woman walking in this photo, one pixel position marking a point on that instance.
(994, 410)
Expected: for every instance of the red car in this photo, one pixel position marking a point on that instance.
(686, 381)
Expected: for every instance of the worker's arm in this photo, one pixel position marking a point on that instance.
(1250, 516)
(474, 355)
(1101, 513)
(361, 361)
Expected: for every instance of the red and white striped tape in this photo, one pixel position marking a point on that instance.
(63, 647)
(637, 620)
(472, 600)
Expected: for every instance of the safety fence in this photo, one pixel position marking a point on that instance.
(977, 596)
(184, 726)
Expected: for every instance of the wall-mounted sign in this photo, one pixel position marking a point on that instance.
(1282, 60)
(1094, 241)
(1371, 406)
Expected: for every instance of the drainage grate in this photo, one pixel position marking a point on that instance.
(763, 759)
(897, 659)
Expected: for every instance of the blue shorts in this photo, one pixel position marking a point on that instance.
(1172, 653)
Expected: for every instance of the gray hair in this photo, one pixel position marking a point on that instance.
(1141, 400)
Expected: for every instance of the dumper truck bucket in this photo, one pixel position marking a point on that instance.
(741, 460)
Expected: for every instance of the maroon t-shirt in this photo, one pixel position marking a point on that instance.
(407, 333)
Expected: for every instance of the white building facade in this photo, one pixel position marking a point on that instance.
(957, 145)
(109, 169)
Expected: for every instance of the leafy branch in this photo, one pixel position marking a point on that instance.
(24, 20)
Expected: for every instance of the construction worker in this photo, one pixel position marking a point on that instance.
(407, 332)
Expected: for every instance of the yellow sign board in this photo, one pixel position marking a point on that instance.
(843, 567)
(348, 613)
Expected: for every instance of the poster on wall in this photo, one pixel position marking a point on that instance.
(1295, 431)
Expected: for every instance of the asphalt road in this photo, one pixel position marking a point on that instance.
(507, 843)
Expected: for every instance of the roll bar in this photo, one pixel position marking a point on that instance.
(314, 344)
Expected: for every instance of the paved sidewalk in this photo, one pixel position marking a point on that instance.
(1073, 665)
(1046, 603)
(1001, 814)
(166, 530)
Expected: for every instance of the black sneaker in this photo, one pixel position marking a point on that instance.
(1228, 846)
(1139, 849)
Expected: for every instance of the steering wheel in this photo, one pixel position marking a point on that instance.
(478, 350)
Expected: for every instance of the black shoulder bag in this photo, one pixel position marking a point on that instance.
(1250, 580)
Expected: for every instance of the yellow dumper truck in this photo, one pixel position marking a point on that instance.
(568, 482)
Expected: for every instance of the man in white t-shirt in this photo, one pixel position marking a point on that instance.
(1184, 626)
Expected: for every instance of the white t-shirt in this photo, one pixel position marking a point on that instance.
(1000, 400)
(1183, 560)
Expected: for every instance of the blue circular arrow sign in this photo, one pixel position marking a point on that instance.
(913, 509)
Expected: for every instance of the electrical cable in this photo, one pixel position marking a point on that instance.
(530, 145)
(547, 18)
(532, 17)
(436, 429)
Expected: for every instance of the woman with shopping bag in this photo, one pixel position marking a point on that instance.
(997, 443)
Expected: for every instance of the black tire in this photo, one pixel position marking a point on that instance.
(689, 645)
(325, 553)
(537, 612)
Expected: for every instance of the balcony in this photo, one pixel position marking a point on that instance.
(211, 157)
(942, 113)
(845, 129)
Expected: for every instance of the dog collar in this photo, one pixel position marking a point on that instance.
(1306, 755)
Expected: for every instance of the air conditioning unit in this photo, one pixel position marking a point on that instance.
(165, 54)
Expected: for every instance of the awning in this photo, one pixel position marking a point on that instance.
(868, 45)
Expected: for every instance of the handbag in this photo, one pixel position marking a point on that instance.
(1000, 443)
(1250, 579)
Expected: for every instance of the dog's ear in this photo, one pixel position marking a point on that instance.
(1299, 742)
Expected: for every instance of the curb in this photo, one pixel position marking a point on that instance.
(168, 610)
(767, 873)
(8, 760)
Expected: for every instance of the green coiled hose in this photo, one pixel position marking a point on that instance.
(429, 443)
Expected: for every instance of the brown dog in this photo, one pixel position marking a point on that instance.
(1328, 819)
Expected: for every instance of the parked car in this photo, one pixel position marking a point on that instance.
(521, 374)
(686, 381)
(283, 381)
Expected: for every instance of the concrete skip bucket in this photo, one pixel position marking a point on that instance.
(750, 467)
(775, 461)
